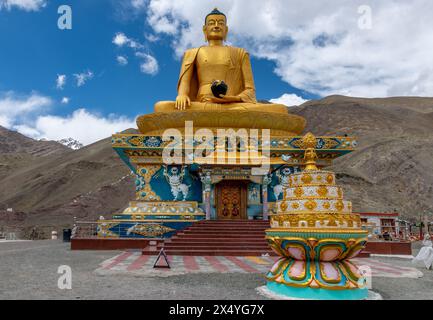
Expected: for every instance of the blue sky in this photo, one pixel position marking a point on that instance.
(37, 51)
(287, 57)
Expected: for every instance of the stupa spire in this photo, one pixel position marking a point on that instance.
(310, 156)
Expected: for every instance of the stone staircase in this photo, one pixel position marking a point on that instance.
(217, 238)
(220, 238)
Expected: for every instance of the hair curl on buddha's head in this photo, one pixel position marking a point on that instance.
(215, 11)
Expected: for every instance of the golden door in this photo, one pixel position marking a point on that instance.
(231, 199)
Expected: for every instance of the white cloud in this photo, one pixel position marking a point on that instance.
(149, 64)
(289, 99)
(27, 115)
(121, 60)
(15, 108)
(60, 81)
(83, 77)
(81, 125)
(5, 121)
(120, 40)
(319, 48)
(26, 5)
(65, 100)
(27, 130)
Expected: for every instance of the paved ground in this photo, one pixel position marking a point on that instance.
(28, 270)
(133, 263)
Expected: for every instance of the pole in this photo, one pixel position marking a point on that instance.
(425, 224)
(208, 207)
(265, 202)
(420, 226)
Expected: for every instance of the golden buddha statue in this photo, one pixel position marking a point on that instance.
(238, 107)
(201, 66)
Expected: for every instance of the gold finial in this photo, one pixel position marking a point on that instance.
(309, 141)
(310, 156)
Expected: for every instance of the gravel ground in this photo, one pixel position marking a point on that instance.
(28, 270)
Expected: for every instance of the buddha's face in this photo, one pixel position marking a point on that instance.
(215, 27)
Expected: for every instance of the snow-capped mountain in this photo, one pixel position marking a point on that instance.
(71, 143)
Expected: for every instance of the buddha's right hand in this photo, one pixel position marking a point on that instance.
(182, 102)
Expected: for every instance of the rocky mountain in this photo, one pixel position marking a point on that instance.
(12, 142)
(392, 167)
(48, 184)
(17, 151)
(52, 188)
(71, 143)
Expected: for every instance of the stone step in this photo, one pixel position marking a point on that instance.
(201, 224)
(219, 238)
(211, 252)
(231, 228)
(210, 241)
(221, 235)
(247, 223)
(215, 246)
(231, 224)
(256, 232)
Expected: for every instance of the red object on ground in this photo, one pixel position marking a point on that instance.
(389, 247)
(108, 244)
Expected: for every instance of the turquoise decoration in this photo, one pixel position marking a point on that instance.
(152, 142)
(163, 206)
(317, 294)
(277, 179)
(163, 190)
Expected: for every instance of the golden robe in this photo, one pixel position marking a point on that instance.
(239, 79)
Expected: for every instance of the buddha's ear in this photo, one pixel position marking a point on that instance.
(205, 33)
(226, 33)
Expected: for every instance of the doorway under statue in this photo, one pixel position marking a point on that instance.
(231, 200)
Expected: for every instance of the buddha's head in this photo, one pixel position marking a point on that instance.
(215, 26)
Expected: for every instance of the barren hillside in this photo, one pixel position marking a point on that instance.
(51, 189)
(48, 184)
(392, 168)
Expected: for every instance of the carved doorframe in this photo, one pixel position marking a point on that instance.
(222, 190)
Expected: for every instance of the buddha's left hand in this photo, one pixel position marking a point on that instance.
(223, 99)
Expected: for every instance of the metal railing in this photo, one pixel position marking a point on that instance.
(84, 230)
(108, 230)
(8, 236)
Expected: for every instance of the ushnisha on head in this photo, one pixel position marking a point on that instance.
(215, 26)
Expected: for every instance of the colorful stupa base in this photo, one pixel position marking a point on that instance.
(315, 233)
(316, 280)
(277, 292)
(317, 294)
